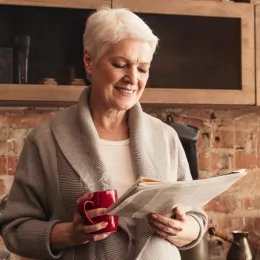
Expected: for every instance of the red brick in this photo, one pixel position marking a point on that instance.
(258, 140)
(3, 137)
(204, 161)
(248, 203)
(221, 160)
(27, 120)
(45, 117)
(3, 165)
(258, 158)
(11, 164)
(254, 138)
(22, 120)
(8, 165)
(16, 138)
(248, 223)
(237, 223)
(245, 160)
(224, 203)
(212, 205)
(249, 184)
(2, 121)
(247, 120)
(241, 139)
(2, 187)
(257, 226)
(11, 111)
(225, 122)
(255, 202)
(223, 139)
(203, 143)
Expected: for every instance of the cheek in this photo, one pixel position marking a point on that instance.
(113, 77)
(143, 81)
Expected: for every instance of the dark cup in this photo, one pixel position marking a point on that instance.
(100, 199)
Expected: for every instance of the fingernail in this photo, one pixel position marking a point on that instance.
(90, 194)
(104, 224)
(154, 216)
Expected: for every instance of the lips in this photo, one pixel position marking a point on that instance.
(125, 90)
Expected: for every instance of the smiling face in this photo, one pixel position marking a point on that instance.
(120, 75)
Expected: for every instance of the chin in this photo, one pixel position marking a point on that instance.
(125, 106)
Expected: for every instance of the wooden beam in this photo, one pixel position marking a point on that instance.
(81, 4)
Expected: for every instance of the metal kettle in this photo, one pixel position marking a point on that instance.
(239, 249)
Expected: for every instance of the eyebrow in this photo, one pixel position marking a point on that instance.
(128, 60)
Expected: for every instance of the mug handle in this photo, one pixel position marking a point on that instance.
(84, 214)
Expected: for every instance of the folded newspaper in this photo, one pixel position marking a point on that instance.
(153, 196)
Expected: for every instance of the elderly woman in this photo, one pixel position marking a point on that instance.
(104, 142)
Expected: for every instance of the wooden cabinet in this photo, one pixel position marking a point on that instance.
(82, 4)
(56, 29)
(206, 54)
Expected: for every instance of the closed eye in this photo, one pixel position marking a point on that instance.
(125, 66)
(119, 66)
(142, 70)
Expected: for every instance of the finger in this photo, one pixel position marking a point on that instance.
(98, 237)
(169, 222)
(179, 214)
(161, 233)
(92, 213)
(95, 227)
(157, 226)
(85, 196)
(77, 219)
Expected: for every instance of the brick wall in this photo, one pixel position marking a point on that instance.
(228, 140)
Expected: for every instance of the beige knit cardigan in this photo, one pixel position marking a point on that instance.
(61, 160)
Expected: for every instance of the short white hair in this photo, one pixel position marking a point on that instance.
(108, 26)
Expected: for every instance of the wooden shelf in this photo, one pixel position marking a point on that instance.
(64, 96)
(81, 4)
(38, 95)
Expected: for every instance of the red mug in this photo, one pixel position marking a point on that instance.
(100, 199)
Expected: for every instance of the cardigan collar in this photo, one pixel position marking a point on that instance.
(78, 139)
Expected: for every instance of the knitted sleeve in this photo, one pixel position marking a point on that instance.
(26, 228)
(183, 172)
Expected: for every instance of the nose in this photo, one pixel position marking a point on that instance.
(131, 76)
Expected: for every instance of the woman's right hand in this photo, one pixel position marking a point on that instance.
(82, 233)
(76, 232)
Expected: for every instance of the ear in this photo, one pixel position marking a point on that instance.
(87, 61)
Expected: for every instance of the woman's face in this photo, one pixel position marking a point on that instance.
(120, 75)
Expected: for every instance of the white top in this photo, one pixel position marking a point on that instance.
(118, 161)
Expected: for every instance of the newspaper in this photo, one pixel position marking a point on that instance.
(148, 196)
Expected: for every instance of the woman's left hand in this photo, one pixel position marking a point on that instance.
(180, 230)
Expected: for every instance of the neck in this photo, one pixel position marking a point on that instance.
(111, 124)
(110, 119)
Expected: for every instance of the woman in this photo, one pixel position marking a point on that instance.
(103, 142)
